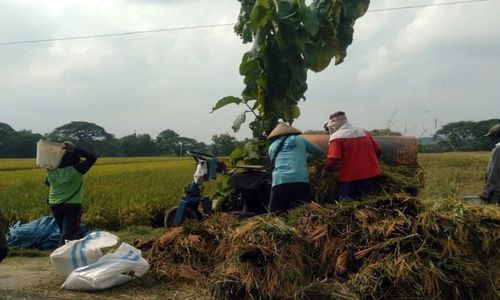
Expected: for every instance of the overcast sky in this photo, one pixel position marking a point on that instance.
(406, 69)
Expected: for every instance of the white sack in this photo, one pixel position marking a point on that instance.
(82, 252)
(110, 270)
(49, 154)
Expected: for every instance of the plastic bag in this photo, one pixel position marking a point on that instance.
(201, 171)
(82, 252)
(41, 233)
(110, 270)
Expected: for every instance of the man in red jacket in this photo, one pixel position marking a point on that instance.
(356, 153)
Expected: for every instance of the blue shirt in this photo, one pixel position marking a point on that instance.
(291, 162)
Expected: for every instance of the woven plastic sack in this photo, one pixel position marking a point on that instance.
(49, 154)
(83, 252)
(110, 270)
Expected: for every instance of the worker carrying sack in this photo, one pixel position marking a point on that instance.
(49, 154)
(110, 270)
(82, 252)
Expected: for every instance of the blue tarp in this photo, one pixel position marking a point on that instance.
(42, 233)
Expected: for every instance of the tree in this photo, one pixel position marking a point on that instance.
(137, 145)
(184, 143)
(289, 38)
(465, 135)
(80, 132)
(86, 135)
(17, 143)
(223, 144)
(167, 141)
(5, 129)
(170, 143)
(198, 146)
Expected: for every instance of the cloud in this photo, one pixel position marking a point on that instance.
(442, 59)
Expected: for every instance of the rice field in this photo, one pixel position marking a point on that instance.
(135, 191)
(117, 191)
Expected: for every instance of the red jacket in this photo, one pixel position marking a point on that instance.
(356, 151)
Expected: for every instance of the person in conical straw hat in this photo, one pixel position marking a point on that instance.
(288, 154)
(491, 189)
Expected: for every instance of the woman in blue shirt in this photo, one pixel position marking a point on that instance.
(288, 154)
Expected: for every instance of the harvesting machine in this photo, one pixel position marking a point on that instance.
(251, 184)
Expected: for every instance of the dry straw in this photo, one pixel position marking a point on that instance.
(387, 246)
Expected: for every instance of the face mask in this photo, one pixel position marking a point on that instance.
(333, 126)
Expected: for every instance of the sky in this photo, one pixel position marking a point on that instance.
(410, 70)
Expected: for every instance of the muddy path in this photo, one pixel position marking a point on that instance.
(34, 278)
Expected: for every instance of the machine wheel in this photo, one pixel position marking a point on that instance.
(189, 215)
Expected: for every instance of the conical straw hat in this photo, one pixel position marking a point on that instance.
(283, 129)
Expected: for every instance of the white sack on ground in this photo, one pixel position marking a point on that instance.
(82, 252)
(110, 270)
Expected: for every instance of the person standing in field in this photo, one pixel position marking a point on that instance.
(66, 190)
(4, 249)
(290, 181)
(491, 189)
(356, 154)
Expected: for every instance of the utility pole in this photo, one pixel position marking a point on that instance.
(180, 152)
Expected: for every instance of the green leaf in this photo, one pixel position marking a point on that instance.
(289, 38)
(351, 10)
(259, 14)
(237, 155)
(291, 113)
(238, 121)
(310, 21)
(225, 101)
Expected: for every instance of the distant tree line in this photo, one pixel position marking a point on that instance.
(94, 138)
(455, 136)
(461, 136)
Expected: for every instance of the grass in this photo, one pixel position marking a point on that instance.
(450, 175)
(119, 192)
(15, 164)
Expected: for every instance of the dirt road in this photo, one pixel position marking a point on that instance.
(34, 278)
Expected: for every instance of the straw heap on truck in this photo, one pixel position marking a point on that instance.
(386, 246)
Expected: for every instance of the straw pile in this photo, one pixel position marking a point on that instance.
(261, 258)
(387, 246)
(393, 248)
(187, 252)
(395, 179)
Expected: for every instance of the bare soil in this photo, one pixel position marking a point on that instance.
(34, 278)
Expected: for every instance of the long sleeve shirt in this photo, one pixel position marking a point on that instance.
(291, 161)
(492, 182)
(356, 152)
